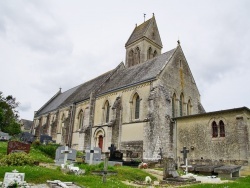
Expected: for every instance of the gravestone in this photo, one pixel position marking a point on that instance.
(114, 154)
(93, 155)
(4, 136)
(12, 177)
(169, 170)
(27, 137)
(15, 146)
(65, 154)
(45, 139)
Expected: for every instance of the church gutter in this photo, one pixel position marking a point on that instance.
(127, 86)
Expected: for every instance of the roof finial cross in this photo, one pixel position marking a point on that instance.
(144, 16)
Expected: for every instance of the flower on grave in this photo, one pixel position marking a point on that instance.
(13, 184)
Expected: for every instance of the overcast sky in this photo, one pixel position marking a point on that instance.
(45, 45)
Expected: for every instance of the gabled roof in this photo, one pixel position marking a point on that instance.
(83, 91)
(141, 31)
(74, 95)
(27, 124)
(137, 74)
(56, 101)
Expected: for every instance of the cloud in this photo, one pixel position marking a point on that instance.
(24, 107)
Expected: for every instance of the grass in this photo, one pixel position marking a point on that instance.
(38, 174)
(243, 182)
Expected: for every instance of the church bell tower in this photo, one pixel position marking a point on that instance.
(144, 43)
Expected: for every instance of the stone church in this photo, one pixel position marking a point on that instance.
(147, 105)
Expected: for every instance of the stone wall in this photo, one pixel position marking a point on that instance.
(195, 133)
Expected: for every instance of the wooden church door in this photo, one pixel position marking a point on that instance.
(100, 143)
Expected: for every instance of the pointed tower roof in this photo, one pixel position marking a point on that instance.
(143, 30)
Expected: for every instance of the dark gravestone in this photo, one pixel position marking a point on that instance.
(27, 137)
(45, 139)
(169, 170)
(115, 155)
(185, 151)
(15, 146)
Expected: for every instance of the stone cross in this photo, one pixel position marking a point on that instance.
(104, 178)
(186, 166)
(185, 151)
(91, 151)
(66, 152)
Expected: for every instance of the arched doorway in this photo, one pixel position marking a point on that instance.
(99, 136)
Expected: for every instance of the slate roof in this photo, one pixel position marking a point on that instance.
(137, 74)
(113, 80)
(27, 124)
(140, 32)
(83, 91)
(73, 95)
(56, 102)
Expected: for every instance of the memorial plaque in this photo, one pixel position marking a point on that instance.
(15, 146)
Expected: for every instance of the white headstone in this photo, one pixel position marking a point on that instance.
(65, 152)
(93, 154)
(12, 177)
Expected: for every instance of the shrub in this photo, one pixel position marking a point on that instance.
(49, 149)
(17, 159)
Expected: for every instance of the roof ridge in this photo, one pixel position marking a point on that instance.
(52, 98)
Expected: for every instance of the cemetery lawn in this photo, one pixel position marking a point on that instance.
(242, 182)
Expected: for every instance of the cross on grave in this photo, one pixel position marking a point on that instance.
(185, 151)
(91, 152)
(112, 149)
(186, 166)
(104, 177)
(66, 152)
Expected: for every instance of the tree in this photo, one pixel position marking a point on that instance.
(9, 115)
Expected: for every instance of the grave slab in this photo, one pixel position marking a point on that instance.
(228, 171)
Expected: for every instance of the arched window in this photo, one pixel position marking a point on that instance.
(173, 105)
(149, 53)
(222, 129)
(181, 104)
(137, 57)
(106, 111)
(80, 120)
(214, 129)
(155, 53)
(189, 107)
(131, 58)
(137, 107)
